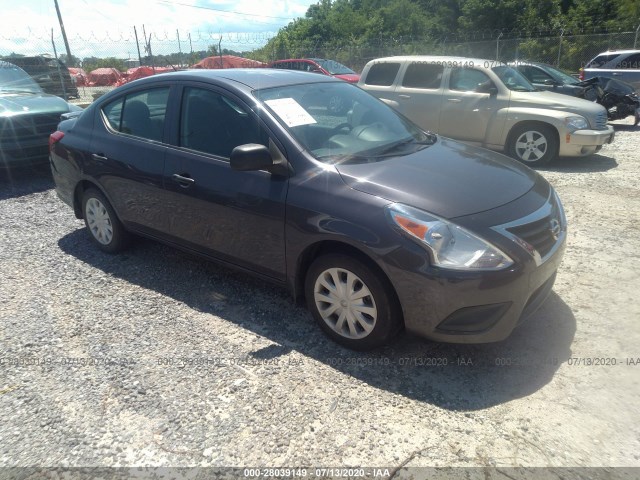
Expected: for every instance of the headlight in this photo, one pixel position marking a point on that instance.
(576, 123)
(451, 246)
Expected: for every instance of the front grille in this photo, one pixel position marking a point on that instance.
(600, 121)
(24, 128)
(537, 234)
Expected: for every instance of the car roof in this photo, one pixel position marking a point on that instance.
(535, 64)
(5, 64)
(436, 58)
(609, 52)
(254, 78)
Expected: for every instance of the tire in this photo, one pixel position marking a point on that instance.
(102, 222)
(372, 319)
(533, 144)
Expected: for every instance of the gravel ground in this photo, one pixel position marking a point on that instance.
(156, 358)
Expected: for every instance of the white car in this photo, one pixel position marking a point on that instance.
(488, 103)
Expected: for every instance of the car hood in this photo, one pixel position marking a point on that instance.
(449, 179)
(33, 103)
(556, 101)
(349, 77)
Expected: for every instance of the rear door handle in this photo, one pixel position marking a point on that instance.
(616, 74)
(402, 95)
(98, 156)
(183, 180)
(454, 100)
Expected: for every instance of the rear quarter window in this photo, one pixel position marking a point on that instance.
(631, 62)
(382, 74)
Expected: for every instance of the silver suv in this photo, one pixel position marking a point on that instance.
(490, 104)
(619, 64)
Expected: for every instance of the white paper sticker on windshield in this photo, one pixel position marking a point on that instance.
(290, 111)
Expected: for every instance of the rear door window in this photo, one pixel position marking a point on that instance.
(140, 114)
(534, 74)
(423, 75)
(382, 74)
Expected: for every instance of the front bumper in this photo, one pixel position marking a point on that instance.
(585, 142)
(33, 152)
(475, 307)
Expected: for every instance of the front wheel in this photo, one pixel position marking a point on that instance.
(352, 304)
(102, 223)
(533, 145)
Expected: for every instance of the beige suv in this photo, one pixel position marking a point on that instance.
(488, 103)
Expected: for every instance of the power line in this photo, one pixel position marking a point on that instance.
(224, 11)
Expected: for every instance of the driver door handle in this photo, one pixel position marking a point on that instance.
(182, 180)
(454, 100)
(403, 95)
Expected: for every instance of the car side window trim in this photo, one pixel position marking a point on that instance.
(471, 85)
(174, 141)
(106, 121)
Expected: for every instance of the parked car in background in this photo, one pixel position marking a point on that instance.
(378, 224)
(619, 98)
(488, 103)
(324, 67)
(27, 117)
(547, 77)
(622, 65)
(50, 73)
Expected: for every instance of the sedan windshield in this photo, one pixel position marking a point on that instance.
(513, 79)
(333, 67)
(363, 130)
(14, 79)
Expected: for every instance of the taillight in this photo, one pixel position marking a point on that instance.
(54, 138)
(581, 74)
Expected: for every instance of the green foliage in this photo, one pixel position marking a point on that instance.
(351, 30)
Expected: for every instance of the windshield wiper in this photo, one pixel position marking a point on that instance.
(406, 141)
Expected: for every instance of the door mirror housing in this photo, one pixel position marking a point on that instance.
(552, 82)
(487, 87)
(253, 156)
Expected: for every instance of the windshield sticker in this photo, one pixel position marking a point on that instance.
(290, 111)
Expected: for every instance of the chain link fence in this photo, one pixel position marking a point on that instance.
(124, 50)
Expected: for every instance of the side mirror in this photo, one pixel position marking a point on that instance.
(251, 156)
(487, 87)
(552, 82)
(316, 70)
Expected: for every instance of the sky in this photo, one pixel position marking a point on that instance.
(105, 28)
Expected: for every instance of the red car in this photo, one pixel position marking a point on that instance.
(325, 67)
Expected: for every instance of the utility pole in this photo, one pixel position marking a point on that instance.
(70, 61)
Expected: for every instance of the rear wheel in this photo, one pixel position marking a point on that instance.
(102, 223)
(534, 144)
(351, 303)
